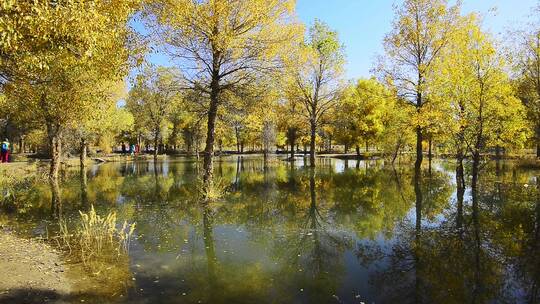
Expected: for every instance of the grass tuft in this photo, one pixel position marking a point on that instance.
(214, 191)
(97, 238)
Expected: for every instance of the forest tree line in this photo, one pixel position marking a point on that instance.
(246, 75)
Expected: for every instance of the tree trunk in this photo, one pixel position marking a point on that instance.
(460, 182)
(210, 136)
(346, 148)
(237, 175)
(84, 188)
(430, 149)
(357, 151)
(367, 146)
(313, 137)
(237, 139)
(430, 155)
(475, 171)
(498, 152)
(293, 142)
(419, 155)
(156, 148)
(538, 150)
(419, 197)
(196, 143)
(83, 154)
(55, 149)
(56, 199)
(396, 152)
(418, 171)
(190, 142)
(313, 207)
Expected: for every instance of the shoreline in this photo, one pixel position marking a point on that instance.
(115, 157)
(36, 272)
(32, 271)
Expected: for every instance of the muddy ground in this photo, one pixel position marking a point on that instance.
(31, 271)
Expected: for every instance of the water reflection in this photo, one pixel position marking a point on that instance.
(348, 232)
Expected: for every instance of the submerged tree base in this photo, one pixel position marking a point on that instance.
(213, 190)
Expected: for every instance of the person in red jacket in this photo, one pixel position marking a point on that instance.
(4, 152)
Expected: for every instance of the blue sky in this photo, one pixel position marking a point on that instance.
(362, 24)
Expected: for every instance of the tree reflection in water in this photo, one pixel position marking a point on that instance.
(287, 233)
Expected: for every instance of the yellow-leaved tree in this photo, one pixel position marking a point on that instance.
(421, 31)
(480, 101)
(223, 45)
(56, 56)
(152, 99)
(106, 120)
(314, 77)
(362, 113)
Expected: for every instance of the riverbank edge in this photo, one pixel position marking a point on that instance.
(32, 271)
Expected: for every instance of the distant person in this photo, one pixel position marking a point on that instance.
(4, 155)
(123, 148)
(132, 150)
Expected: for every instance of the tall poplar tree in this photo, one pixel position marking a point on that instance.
(421, 30)
(314, 77)
(480, 101)
(223, 45)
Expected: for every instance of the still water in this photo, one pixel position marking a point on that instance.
(349, 232)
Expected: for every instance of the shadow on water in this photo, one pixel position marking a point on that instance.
(346, 232)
